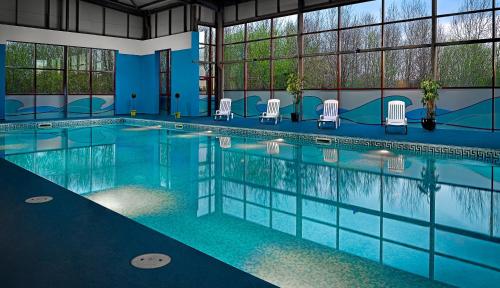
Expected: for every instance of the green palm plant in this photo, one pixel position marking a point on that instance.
(431, 95)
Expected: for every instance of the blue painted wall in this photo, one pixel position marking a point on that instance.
(2, 81)
(185, 78)
(139, 75)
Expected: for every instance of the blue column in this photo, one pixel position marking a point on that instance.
(185, 78)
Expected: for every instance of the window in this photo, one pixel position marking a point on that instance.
(34, 81)
(207, 69)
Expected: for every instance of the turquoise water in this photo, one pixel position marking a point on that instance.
(294, 215)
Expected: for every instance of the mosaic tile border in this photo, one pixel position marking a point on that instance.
(419, 148)
(67, 123)
(355, 142)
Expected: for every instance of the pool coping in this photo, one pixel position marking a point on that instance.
(484, 154)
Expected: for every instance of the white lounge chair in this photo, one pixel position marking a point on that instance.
(224, 110)
(272, 112)
(396, 115)
(225, 142)
(330, 113)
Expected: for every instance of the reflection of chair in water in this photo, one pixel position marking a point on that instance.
(396, 164)
(330, 155)
(225, 142)
(272, 148)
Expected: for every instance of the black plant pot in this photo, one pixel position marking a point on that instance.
(429, 124)
(295, 117)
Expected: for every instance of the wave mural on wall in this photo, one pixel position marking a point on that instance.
(16, 109)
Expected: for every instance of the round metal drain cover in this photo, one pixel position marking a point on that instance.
(150, 261)
(38, 199)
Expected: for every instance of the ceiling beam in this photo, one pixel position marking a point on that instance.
(205, 3)
(117, 6)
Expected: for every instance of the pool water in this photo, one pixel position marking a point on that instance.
(294, 215)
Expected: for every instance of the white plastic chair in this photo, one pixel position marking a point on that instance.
(225, 142)
(396, 115)
(272, 112)
(330, 113)
(224, 110)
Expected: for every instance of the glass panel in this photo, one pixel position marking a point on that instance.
(102, 83)
(163, 61)
(465, 65)
(259, 75)
(233, 76)
(320, 20)
(361, 70)
(464, 27)
(49, 56)
(234, 52)
(282, 69)
(78, 106)
(20, 54)
(320, 72)
(103, 105)
(20, 81)
(19, 107)
(78, 58)
(361, 38)
(285, 47)
(258, 50)
(50, 106)
(259, 30)
(204, 34)
(78, 82)
(103, 60)
(408, 33)
(361, 14)
(205, 54)
(286, 25)
(407, 68)
(320, 43)
(234, 33)
(453, 6)
(407, 9)
(49, 82)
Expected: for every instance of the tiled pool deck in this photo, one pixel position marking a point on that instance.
(73, 242)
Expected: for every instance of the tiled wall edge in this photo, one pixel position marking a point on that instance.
(462, 152)
(457, 151)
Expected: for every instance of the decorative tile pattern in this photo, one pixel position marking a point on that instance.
(61, 123)
(436, 150)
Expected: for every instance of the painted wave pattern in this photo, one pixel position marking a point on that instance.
(477, 115)
(14, 107)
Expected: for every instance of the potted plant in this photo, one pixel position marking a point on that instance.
(294, 87)
(133, 111)
(177, 113)
(431, 95)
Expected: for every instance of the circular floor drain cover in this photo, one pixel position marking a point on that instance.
(38, 199)
(150, 261)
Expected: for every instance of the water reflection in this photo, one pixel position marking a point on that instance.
(408, 212)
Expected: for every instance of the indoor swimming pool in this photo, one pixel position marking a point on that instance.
(291, 213)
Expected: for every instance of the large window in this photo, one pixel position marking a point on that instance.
(367, 54)
(165, 91)
(41, 85)
(207, 69)
(34, 85)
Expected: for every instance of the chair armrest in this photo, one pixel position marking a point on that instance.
(217, 111)
(264, 114)
(321, 117)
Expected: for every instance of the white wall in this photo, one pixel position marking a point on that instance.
(125, 46)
